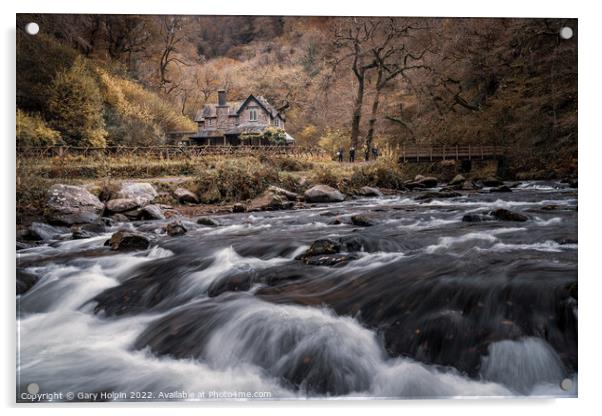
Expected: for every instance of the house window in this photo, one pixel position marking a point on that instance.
(277, 122)
(253, 115)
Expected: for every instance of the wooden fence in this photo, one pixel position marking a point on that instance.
(168, 152)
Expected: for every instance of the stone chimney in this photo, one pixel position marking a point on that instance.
(221, 98)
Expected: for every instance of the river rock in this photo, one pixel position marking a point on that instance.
(437, 195)
(124, 240)
(291, 196)
(209, 222)
(361, 221)
(185, 196)
(370, 191)
(502, 188)
(338, 259)
(123, 204)
(25, 281)
(507, 215)
(39, 231)
(269, 201)
(322, 246)
(151, 212)
(492, 182)
(238, 207)
(175, 228)
(68, 204)
(323, 193)
(78, 233)
(458, 180)
(142, 191)
(477, 218)
(422, 182)
(469, 185)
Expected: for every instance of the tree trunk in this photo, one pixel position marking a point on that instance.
(357, 110)
(375, 103)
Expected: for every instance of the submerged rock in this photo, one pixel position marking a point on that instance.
(128, 240)
(25, 281)
(323, 193)
(322, 246)
(507, 215)
(209, 222)
(78, 233)
(68, 204)
(185, 196)
(361, 221)
(437, 195)
(502, 188)
(175, 228)
(477, 218)
(338, 259)
(39, 231)
(492, 182)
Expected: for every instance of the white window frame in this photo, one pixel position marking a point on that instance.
(252, 115)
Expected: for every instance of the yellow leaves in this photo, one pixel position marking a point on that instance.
(33, 131)
(134, 104)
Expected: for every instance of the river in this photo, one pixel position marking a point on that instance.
(427, 306)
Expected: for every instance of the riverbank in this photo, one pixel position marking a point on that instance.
(219, 183)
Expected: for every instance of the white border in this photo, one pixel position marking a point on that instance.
(590, 154)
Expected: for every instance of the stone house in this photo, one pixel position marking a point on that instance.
(237, 122)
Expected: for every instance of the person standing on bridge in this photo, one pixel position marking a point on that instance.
(341, 154)
(351, 154)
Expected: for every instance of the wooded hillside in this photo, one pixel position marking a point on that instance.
(102, 79)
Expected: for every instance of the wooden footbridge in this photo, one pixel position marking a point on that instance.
(417, 154)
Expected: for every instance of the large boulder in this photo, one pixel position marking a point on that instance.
(128, 240)
(131, 196)
(323, 193)
(185, 196)
(506, 215)
(142, 191)
(68, 204)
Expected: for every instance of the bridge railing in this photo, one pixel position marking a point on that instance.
(458, 152)
(166, 152)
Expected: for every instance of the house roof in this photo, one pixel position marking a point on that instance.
(234, 108)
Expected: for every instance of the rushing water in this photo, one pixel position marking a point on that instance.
(430, 306)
